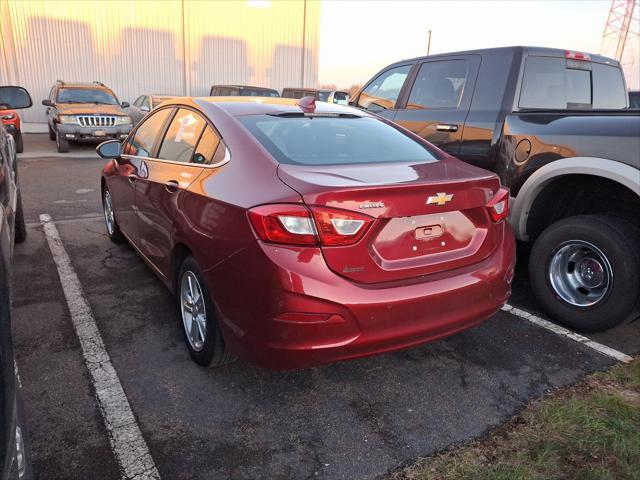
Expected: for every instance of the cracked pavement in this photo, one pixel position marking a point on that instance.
(352, 420)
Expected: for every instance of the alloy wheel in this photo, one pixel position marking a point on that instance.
(109, 216)
(194, 315)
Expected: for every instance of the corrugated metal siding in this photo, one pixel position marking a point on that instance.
(174, 47)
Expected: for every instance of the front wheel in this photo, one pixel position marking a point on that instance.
(62, 143)
(19, 142)
(585, 271)
(20, 229)
(199, 319)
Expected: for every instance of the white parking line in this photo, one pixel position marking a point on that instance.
(598, 347)
(127, 443)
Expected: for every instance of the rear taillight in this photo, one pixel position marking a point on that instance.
(498, 206)
(299, 225)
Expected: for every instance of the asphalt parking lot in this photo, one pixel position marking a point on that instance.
(352, 420)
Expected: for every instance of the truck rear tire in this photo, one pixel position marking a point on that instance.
(62, 143)
(585, 271)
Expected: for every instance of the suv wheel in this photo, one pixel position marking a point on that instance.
(584, 271)
(199, 320)
(62, 143)
(52, 133)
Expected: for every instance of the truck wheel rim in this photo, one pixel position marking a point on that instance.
(580, 273)
(194, 314)
(109, 217)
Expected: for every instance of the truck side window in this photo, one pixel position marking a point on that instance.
(383, 91)
(439, 85)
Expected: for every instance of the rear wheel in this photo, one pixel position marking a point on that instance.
(113, 229)
(19, 143)
(62, 143)
(199, 319)
(585, 271)
(20, 229)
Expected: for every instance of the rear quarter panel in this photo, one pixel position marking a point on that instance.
(612, 136)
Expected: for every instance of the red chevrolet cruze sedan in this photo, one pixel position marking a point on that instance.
(295, 234)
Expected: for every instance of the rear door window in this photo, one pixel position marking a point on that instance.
(145, 136)
(207, 146)
(182, 135)
(383, 92)
(439, 85)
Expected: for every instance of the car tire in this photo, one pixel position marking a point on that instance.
(62, 143)
(20, 228)
(584, 271)
(210, 350)
(111, 224)
(19, 143)
(52, 133)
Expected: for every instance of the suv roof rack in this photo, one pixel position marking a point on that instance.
(99, 83)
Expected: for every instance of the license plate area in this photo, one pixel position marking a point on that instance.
(99, 133)
(429, 232)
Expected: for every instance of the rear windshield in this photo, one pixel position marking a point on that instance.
(249, 92)
(85, 95)
(323, 96)
(308, 140)
(564, 84)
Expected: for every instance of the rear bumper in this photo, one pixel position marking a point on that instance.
(77, 133)
(302, 314)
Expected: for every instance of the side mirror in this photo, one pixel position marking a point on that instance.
(47, 103)
(14, 98)
(109, 149)
(125, 104)
(144, 108)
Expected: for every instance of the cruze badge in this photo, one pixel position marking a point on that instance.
(439, 199)
(371, 205)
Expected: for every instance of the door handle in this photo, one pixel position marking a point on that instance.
(171, 186)
(446, 128)
(132, 179)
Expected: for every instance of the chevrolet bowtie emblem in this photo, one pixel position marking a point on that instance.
(440, 199)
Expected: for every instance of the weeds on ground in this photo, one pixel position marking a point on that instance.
(586, 432)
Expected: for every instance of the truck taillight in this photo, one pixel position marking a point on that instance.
(577, 56)
(498, 206)
(293, 224)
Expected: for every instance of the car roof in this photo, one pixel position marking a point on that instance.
(84, 85)
(537, 51)
(243, 86)
(238, 106)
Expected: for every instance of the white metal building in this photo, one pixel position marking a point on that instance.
(178, 47)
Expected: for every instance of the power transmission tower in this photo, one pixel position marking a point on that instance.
(621, 33)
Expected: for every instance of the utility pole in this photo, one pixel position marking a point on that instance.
(429, 42)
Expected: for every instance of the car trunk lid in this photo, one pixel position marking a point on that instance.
(429, 217)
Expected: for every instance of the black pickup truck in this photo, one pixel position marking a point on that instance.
(555, 125)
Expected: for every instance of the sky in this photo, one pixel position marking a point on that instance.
(358, 38)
